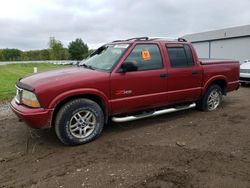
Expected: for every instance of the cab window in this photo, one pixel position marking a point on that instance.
(180, 56)
(146, 57)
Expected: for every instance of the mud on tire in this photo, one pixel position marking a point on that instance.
(79, 121)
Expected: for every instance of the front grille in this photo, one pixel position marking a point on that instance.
(18, 95)
(245, 71)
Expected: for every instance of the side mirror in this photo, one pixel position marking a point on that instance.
(128, 66)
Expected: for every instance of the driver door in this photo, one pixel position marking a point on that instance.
(142, 89)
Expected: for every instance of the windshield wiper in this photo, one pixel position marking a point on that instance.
(87, 66)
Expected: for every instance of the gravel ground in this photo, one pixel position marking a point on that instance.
(178, 150)
(5, 111)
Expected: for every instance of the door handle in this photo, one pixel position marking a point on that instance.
(163, 75)
(195, 72)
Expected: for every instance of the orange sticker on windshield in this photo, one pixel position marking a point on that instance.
(145, 55)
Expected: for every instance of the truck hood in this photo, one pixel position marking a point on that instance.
(72, 76)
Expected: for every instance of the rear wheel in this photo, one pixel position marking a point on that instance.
(212, 99)
(79, 121)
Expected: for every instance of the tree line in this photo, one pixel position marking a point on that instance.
(76, 50)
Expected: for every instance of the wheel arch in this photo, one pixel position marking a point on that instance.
(56, 104)
(220, 81)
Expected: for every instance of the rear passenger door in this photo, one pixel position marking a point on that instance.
(184, 75)
(141, 89)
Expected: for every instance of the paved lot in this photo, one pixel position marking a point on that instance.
(183, 149)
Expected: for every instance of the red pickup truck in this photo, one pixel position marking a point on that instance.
(121, 81)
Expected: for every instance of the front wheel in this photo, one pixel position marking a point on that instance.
(79, 121)
(212, 99)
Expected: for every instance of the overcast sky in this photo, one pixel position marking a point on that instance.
(28, 24)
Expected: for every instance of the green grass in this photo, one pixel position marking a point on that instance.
(9, 74)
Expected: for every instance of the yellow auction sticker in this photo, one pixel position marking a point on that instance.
(146, 55)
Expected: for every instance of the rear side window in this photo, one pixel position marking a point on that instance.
(180, 56)
(146, 56)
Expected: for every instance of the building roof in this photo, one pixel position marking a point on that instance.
(233, 32)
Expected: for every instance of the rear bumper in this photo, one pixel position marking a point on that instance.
(33, 117)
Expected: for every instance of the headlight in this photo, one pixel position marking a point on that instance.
(29, 98)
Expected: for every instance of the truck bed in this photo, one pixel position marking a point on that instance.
(206, 61)
(226, 69)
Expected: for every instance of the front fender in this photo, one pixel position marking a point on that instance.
(76, 92)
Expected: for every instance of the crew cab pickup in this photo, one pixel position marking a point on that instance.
(121, 81)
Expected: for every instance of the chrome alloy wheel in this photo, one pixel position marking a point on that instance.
(82, 124)
(214, 100)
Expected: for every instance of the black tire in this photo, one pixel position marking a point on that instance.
(205, 103)
(79, 121)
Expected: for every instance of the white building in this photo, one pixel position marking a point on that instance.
(229, 43)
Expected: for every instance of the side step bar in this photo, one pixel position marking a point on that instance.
(155, 113)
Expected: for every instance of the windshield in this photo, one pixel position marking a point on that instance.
(105, 57)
